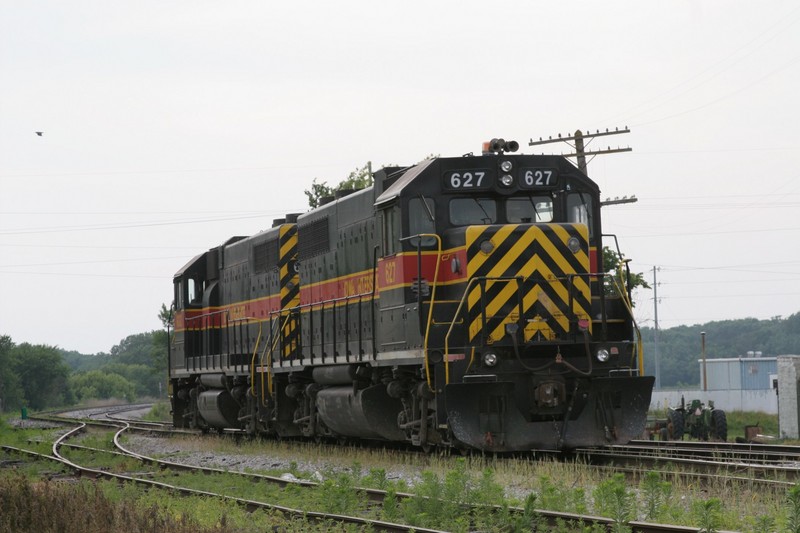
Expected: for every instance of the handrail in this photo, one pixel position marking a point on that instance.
(192, 330)
(433, 297)
(205, 315)
(458, 311)
(253, 365)
(476, 280)
(450, 330)
(269, 359)
(335, 301)
(629, 307)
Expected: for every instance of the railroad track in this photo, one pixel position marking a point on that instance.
(148, 478)
(762, 464)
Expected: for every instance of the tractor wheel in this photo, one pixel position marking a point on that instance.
(676, 425)
(719, 425)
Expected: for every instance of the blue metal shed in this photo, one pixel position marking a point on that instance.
(740, 373)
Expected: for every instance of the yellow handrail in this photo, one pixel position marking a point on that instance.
(629, 307)
(269, 361)
(450, 330)
(255, 351)
(261, 360)
(430, 307)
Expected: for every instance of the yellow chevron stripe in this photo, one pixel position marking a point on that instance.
(501, 268)
(474, 233)
(564, 235)
(535, 265)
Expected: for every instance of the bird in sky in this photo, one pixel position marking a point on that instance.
(39, 133)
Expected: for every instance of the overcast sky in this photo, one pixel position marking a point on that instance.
(171, 126)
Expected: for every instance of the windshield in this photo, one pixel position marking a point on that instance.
(529, 209)
(473, 211)
(420, 219)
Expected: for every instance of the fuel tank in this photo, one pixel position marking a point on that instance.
(368, 413)
(218, 408)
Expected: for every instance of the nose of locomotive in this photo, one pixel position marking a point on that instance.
(486, 415)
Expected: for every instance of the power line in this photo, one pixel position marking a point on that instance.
(86, 275)
(701, 233)
(92, 262)
(64, 229)
(102, 247)
(666, 97)
(161, 171)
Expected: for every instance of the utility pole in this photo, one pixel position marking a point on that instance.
(655, 331)
(580, 147)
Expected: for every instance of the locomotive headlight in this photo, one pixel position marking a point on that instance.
(506, 180)
(489, 359)
(574, 245)
(602, 355)
(506, 166)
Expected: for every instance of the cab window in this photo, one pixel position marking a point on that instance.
(579, 210)
(529, 209)
(421, 219)
(195, 291)
(391, 230)
(179, 295)
(472, 211)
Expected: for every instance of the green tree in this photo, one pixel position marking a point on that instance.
(165, 316)
(98, 384)
(11, 394)
(133, 349)
(613, 263)
(358, 179)
(78, 362)
(143, 378)
(159, 357)
(42, 375)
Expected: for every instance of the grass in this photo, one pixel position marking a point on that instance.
(737, 420)
(441, 482)
(160, 412)
(555, 485)
(105, 506)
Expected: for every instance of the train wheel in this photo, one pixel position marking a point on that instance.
(677, 423)
(719, 425)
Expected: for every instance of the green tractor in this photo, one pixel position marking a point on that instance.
(698, 421)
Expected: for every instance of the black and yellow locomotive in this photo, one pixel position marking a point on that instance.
(457, 302)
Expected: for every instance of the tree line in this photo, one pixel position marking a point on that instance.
(40, 376)
(680, 347)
